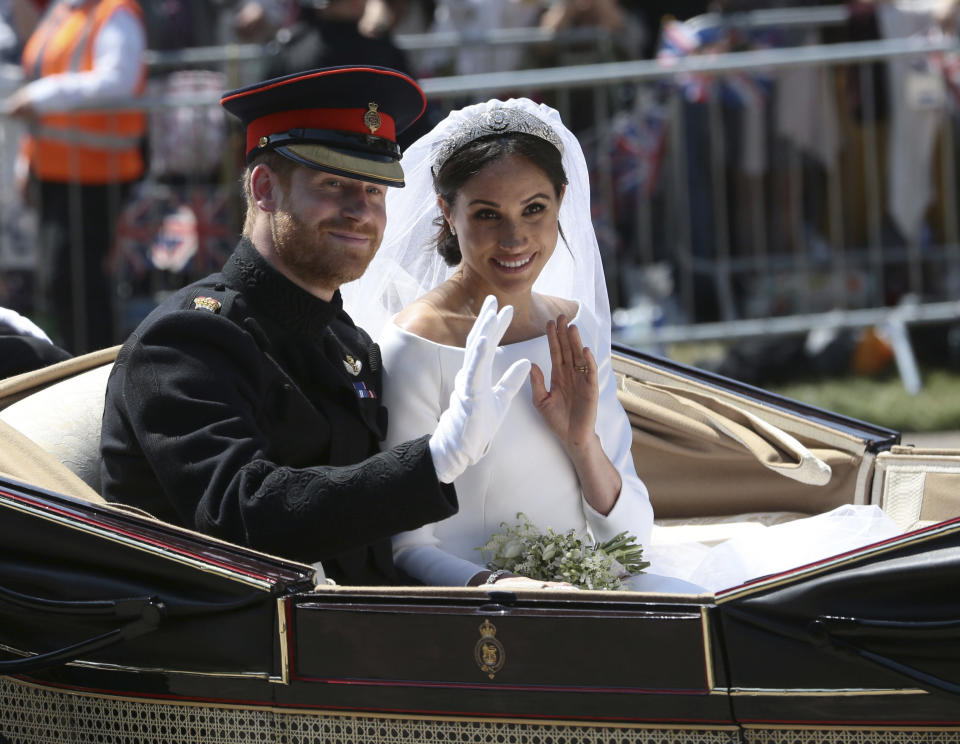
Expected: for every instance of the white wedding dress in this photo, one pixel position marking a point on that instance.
(525, 469)
(764, 550)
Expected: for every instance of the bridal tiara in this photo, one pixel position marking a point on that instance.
(496, 121)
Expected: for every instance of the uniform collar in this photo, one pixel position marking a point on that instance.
(288, 305)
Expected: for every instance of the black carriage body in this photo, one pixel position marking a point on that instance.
(244, 643)
(245, 631)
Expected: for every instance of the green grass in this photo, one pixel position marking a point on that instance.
(885, 402)
(876, 400)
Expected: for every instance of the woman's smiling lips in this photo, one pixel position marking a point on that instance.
(513, 264)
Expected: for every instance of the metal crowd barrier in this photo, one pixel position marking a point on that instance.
(609, 84)
(700, 244)
(417, 44)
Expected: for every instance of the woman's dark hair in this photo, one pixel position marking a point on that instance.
(472, 158)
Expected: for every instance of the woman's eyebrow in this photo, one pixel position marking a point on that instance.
(487, 202)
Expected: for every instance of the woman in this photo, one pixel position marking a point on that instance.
(503, 220)
(510, 217)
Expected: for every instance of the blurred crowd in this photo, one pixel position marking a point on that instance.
(91, 232)
(177, 24)
(87, 251)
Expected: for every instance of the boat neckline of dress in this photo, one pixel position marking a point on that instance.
(404, 331)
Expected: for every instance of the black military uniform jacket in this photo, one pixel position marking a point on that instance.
(247, 408)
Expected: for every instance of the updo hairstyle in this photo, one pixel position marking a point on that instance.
(472, 158)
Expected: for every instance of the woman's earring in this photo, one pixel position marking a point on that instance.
(453, 231)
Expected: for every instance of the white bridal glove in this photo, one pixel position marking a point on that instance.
(477, 406)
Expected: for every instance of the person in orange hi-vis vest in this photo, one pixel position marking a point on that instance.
(77, 166)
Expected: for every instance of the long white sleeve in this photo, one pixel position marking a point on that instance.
(632, 511)
(116, 69)
(413, 384)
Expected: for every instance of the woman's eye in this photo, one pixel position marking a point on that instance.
(535, 208)
(485, 214)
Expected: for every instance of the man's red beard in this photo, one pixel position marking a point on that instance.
(305, 250)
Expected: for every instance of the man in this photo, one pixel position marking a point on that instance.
(247, 405)
(81, 164)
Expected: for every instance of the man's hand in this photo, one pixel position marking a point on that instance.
(477, 406)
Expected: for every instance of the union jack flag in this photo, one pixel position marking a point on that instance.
(683, 39)
(186, 231)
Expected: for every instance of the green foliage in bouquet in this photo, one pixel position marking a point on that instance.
(548, 556)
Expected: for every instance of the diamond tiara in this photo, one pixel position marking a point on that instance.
(493, 122)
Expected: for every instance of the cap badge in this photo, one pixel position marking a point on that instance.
(353, 366)
(372, 117)
(206, 303)
(263, 142)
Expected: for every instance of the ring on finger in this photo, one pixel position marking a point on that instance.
(581, 368)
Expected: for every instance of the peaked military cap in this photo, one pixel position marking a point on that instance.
(343, 120)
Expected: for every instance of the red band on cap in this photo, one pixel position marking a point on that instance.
(338, 120)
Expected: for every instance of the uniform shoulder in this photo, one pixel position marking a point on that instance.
(209, 295)
(205, 312)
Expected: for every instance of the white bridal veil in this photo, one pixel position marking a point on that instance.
(408, 265)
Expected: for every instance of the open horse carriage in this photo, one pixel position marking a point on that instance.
(117, 627)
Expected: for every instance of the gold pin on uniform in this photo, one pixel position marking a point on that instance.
(206, 303)
(353, 366)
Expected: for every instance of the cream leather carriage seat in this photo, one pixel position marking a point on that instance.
(64, 419)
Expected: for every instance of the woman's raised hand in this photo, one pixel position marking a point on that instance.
(569, 407)
(570, 410)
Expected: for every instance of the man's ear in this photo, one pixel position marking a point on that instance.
(264, 186)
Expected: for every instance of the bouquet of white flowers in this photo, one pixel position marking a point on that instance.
(548, 556)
